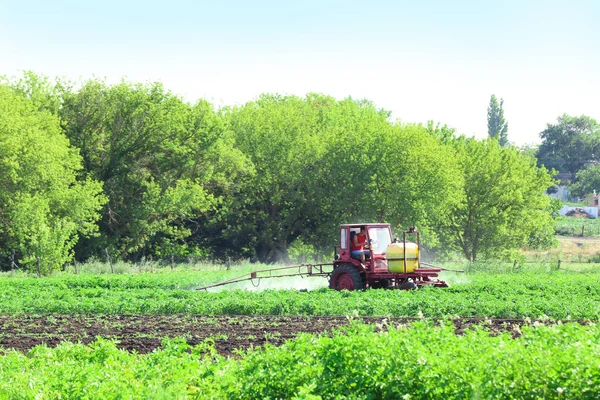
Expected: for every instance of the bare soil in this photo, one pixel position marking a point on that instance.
(144, 333)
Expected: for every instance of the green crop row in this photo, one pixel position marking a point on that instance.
(573, 226)
(558, 295)
(356, 362)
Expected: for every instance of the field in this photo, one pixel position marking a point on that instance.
(144, 333)
(575, 226)
(502, 330)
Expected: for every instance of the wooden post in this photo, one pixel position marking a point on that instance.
(75, 265)
(172, 262)
(108, 260)
(558, 266)
(228, 263)
(12, 261)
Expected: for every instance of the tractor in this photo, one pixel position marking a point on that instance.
(391, 263)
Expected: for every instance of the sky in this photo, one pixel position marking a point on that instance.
(423, 60)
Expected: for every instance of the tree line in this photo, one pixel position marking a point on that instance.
(134, 171)
(572, 145)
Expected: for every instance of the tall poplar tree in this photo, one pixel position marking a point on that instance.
(497, 125)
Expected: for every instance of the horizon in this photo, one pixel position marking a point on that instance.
(428, 61)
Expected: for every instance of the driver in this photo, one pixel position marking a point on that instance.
(358, 245)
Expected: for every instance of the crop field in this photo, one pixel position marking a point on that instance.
(520, 333)
(574, 226)
(144, 333)
(556, 295)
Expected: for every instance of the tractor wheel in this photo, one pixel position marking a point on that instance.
(346, 277)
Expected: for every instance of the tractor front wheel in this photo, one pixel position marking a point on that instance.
(346, 277)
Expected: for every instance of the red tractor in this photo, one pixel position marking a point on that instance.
(391, 263)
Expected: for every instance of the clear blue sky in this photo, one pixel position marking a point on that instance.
(437, 60)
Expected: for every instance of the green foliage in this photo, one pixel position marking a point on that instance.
(358, 362)
(570, 144)
(443, 132)
(279, 202)
(320, 162)
(42, 92)
(503, 206)
(517, 294)
(529, 150)
(45, 203)
(162, 161)
(101, 371)
(399, 174)
(252, 180)
(423, 362)
(497, 126)
(574, 226)
(587, 181)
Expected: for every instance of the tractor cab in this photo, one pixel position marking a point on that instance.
(379, 236)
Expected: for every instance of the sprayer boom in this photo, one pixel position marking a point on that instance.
(281, 272)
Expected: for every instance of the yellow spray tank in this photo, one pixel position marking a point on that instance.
(395, 255)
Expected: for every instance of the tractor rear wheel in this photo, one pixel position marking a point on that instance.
(346, 277)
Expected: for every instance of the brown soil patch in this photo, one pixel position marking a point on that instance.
(144, 333)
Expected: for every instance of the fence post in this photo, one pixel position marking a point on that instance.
(12, 261)
(228, 263)
(108, 260)
(172, 262)
(75, 265)
(558, 267)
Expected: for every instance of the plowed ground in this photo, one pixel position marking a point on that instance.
(144, 333)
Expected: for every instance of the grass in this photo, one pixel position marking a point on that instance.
(574, 226)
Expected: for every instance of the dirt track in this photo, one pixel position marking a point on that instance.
(143, 333)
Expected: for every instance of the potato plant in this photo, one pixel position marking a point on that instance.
(358, 362)
(559, 295)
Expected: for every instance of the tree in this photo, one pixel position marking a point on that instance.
(42, 92)
(530, 150)
(398, 173)
(279, 203)
(497, 126)
(571, 144)
(46, 201)
(320, 162)
(162, 162)
(503, 205)
(587, 181)
(444, 133)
